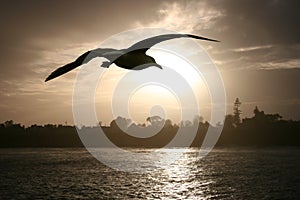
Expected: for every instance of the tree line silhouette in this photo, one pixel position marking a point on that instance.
(260, 130)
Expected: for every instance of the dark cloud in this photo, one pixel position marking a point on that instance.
(256, 22)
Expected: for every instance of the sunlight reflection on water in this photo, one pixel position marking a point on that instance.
(239, 173)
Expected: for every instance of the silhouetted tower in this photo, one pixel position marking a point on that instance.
(236, 111)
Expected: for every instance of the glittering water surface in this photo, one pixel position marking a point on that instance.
(233, 173)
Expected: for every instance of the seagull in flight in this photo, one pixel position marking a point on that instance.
(132, 58)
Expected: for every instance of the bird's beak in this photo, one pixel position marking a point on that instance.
(158, 66)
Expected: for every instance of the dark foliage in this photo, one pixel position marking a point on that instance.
(260, 130)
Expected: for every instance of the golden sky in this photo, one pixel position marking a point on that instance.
(258, 56)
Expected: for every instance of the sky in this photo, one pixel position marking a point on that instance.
(258, 57)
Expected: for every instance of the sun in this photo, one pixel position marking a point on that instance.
(168, 59)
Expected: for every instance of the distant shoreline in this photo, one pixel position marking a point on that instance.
(260, 130)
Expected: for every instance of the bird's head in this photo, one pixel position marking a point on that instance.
(154, 64)
(151, 63)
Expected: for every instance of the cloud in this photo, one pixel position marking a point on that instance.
(285, 64)
(253, 34)
(184, 17)
(252, 48)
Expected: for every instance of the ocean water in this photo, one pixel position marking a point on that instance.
(226, 173)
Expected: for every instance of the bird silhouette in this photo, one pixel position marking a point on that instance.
(132, 58)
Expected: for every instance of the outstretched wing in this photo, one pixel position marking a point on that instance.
(84, 58)
(149, 42)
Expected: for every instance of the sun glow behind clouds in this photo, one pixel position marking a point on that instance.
(144, 99)
(181, 60)
(154, 100)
